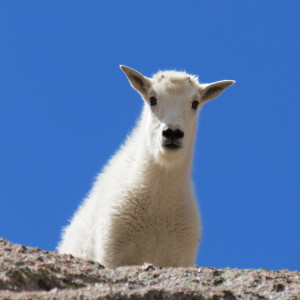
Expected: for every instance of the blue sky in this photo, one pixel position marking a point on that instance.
(65, 107)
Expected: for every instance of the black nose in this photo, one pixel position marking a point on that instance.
(173, 134)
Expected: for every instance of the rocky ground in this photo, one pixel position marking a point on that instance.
(30, 273)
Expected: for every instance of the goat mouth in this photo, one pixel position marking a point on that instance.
(172, 146)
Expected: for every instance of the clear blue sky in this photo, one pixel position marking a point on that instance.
(65, 107)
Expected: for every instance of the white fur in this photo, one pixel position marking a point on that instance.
(142, 206)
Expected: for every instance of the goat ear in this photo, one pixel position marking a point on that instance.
(137, 80)
(212, 90)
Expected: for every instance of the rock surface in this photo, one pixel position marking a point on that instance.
(30, 273)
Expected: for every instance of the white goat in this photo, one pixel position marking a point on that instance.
(142, 206)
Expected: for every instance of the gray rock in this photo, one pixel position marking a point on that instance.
(31, 273)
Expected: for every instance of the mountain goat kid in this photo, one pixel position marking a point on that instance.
(142, 206)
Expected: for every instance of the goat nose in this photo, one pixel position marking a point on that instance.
(174, 134)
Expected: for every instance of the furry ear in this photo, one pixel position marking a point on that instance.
(137, 80)
(212, 90)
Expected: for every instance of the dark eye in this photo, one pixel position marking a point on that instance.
(153, 101)
(195, 104)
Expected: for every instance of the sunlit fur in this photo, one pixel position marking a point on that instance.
(142, 206)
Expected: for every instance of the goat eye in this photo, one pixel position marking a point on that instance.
(153, 101)
(195, 104)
